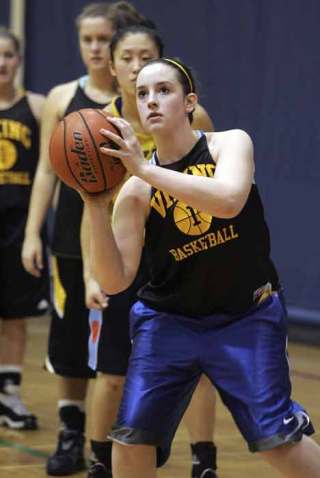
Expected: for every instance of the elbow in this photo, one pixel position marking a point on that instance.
(111, 287)
(230, 208)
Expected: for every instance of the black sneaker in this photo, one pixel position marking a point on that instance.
(208, 473)
(68, 457)
(98, 470)
(14, 414)
(197, 472)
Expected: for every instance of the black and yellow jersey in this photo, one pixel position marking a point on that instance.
(200, 264)
(19, 152)
(66, 236)
(145, 140)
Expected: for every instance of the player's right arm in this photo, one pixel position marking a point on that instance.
(94, 296)
(116, 248)
(45, 179)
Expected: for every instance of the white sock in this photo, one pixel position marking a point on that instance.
(71, 403)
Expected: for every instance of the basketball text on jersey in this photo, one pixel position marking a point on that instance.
(212, 239)
(192, 222)
(12, 132)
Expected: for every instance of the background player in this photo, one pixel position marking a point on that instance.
(21, 295)
(69, 331)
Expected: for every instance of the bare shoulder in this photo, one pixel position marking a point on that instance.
(36, 102)
(60, 96)
(229, 138)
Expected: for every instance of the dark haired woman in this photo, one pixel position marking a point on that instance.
(213, 303)
(110, 345)
(69, 331)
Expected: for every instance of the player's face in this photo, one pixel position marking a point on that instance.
(94, 38)
(9, 61)
(160, 98)
(131, 53)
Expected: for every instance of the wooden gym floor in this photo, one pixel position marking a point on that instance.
(23, 454)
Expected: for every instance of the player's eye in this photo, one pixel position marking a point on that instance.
(164, 90)
(142, 94)
(8, 55)
(86, 39)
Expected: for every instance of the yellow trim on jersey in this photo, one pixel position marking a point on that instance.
(58, 292)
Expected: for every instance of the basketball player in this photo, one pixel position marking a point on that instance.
(109, 344)
(213, 304)
(69, 331)
(21, 296)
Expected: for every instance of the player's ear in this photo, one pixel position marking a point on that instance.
(191, 102)
(111, 68)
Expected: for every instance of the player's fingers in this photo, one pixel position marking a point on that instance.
(39, 260)
(95, 303)
(31, 267)
(113, 137)
(118, 122)
(101, 299)
(125, 128)
(116, 153)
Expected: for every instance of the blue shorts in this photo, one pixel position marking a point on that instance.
(245, 358)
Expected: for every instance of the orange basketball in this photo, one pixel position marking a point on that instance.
(75, 152)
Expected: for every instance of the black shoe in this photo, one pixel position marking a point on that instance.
(68, 457)
(208, 473)
(98, 470)
(203, 473)
(14, 415)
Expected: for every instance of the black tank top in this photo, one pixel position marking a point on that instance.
(66, 235)
(19, 152)
(199, 264)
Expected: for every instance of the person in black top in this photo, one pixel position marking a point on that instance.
(73, 291)
(213, 303)
(21, 296)
(109, 345)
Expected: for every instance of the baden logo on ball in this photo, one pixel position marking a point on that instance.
(86, 170)
(75, 152)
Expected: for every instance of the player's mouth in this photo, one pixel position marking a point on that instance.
(154, 115)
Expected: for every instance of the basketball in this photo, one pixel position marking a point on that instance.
(75, 152)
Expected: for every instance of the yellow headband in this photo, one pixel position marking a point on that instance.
(184, 71)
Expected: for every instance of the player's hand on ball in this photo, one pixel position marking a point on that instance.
(129, 151)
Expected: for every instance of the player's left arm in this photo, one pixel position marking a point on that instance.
(201, 119)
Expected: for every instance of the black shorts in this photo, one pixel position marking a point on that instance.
(21, 294)
(109, 342)
(69, 330)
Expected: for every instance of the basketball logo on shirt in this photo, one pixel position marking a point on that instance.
(191, 221)
(8, 154)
